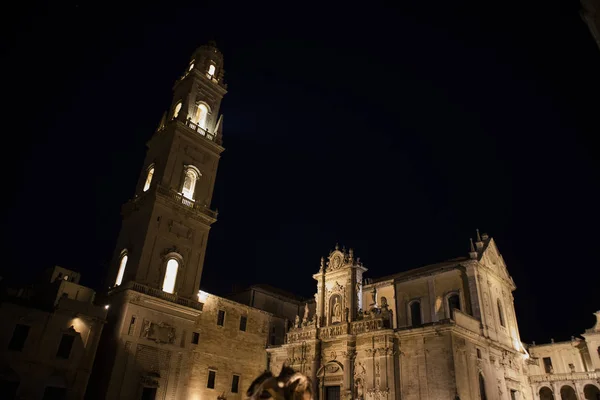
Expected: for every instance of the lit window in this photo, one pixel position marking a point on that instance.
(121, 272)
(211, 70)
(170, 276)
(201, 115)
(176, 110)
(189, 182)
(149, 179)
(191, 67)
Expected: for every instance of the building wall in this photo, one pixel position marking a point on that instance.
(156, 349)
(37, 364)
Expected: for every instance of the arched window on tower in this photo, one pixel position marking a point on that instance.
(482, 393)
(501, 314)
(122, 265)
(415, 313)
(211, 70)
(453, 303)
(149, 178)
(191, 176)
(177, 109)
(170, 275)
(201, 115)
(191, 66)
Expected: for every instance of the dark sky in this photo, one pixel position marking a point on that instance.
(395, 131)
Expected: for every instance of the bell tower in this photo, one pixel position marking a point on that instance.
(162, 243)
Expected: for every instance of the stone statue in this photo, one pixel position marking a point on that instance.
(384, 303)
(297, 324)
(305, 318)
(374, 295)
(146, 331)
(337, 311)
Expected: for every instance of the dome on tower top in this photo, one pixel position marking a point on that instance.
(209, 61)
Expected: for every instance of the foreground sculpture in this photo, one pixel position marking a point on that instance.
(288, 385)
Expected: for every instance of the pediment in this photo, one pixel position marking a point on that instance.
(492, 259)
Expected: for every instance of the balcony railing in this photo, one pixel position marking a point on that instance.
(571, 376)
(200, 130)
(180, 199)
(173, 298)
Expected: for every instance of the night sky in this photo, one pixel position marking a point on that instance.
(395, 131)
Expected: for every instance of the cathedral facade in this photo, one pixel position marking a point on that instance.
(445, 331)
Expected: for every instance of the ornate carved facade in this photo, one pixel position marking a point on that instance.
(443, 331)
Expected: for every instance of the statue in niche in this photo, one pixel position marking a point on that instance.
(297, 322)
(360, 314)
(337, 311)
(147, 327)
(384, 303)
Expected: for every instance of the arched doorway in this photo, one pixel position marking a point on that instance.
(591, 392)
(567, 393)
(546, 394)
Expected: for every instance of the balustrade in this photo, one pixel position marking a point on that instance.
(165, 296)
(571, 376)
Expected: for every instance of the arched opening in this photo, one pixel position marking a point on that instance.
(501, 313)
(482, 393)
(149, 178)
(122, 265)
(191, 66)
(189, 182)
(567, 393)
(170, 276)
(211, 70)
(415, 313)
(546, 393)
(177, 109)
(201, 115)
(591, 392)
(453, 303)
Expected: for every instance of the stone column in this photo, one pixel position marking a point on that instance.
(432, 298)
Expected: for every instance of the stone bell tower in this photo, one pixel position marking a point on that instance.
(163, 239)
(154, 279)
(339, 288)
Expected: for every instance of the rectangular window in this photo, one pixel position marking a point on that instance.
(243, 321)
(212, 376)
(548, 365)
(17, 341)
(195, 337)
(221, 318)
(513, 394)
(479, 354)
(131, 326)
(65, 346)
(235, 382)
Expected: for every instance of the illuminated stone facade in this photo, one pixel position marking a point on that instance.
(164, 338)
(443, 331)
